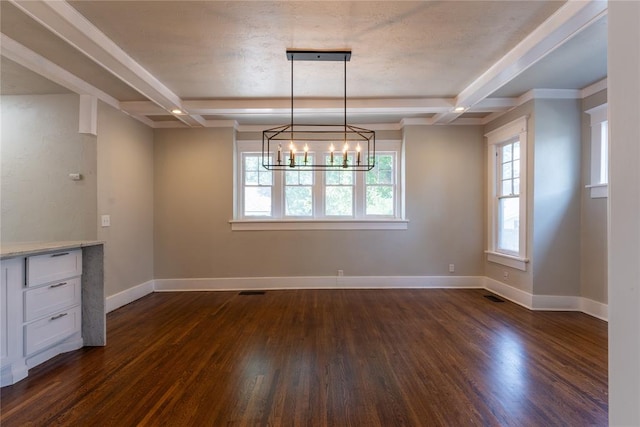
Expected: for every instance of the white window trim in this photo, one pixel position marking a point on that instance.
(510, 131)
(597, 188)
(240, 223)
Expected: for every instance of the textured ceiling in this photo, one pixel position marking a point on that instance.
(217, 49)
(411, 59)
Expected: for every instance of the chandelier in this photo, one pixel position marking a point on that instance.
(323, 146)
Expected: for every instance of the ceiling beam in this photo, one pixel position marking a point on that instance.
(30, 60)
(282, 106)
(573, 17)
(71, 26)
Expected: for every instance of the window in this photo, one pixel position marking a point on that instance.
(258, 183)
(508, 159)
(599, 152)
(306, 199)
(507, 194)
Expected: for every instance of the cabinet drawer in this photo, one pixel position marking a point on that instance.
(49, 299)
(52, 329)
(50, 267)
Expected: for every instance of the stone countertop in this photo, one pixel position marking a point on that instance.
(19, 249)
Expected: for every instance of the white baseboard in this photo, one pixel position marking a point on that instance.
(518, 296)
(323, 282)
(116, 301)
(555, 303)
(594, 308)
(547, 302)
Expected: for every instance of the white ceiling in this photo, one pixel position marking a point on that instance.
(225, 61)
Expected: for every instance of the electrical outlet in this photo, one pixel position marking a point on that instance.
(452, 268)
(105, 220)
(340, 273)
(505, 275)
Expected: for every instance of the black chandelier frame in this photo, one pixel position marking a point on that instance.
(354, 148)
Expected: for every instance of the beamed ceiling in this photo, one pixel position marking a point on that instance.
(224, 62)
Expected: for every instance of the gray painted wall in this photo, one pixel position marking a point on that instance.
(40, 147)
(194, 201)
(593, 238)
(553, 199)
(125, 192)
(556, 197)
(522, 280)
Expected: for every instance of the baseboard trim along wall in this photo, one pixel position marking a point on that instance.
(518, 296)
(547, 302)
(321, 282)
(120, 299)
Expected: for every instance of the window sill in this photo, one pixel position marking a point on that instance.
(598, 191)
(353, 224)
(508, 260)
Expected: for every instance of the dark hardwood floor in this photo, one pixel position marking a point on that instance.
(325, 358)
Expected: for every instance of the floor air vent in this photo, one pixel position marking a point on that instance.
(251, 293)
(493, 298)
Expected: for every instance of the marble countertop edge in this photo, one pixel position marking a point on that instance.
(19, 249)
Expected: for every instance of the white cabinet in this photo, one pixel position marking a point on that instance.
(41, 316)
(12, 364)
(56, 266)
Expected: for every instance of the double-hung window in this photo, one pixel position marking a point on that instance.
(599, 152)
(507, 194)
(301, 198)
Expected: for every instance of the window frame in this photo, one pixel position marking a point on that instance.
(279, 221)
(509, 133)
(600, 144)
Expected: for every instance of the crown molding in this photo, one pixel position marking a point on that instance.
(594, 88)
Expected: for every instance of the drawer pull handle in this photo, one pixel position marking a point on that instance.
(59, 316)
(60, 254)
(58, 285)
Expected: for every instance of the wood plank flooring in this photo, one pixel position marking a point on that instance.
(324, 358)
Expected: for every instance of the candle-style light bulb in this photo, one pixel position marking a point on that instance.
(358, 154)
(331, 150)
(279, 153)
(292, 159)
(345, 150)
(306, 151)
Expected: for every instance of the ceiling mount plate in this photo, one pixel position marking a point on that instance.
(318, 55)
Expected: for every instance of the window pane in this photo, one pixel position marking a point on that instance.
(506, 170)
(509, 224)
(298, 201)
(257, 201)
(516, 186)
(265, 177)
(251, 163)
(516, 150)
(506, 153)
(506, 188)
(306, 178)
(379, 200)
(383, 172)
(251, 177)
(604, 152)
(516, 169)
(291, 178)
(339, 201)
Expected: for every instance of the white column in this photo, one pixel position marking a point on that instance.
(88, 120)
(624, 212)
